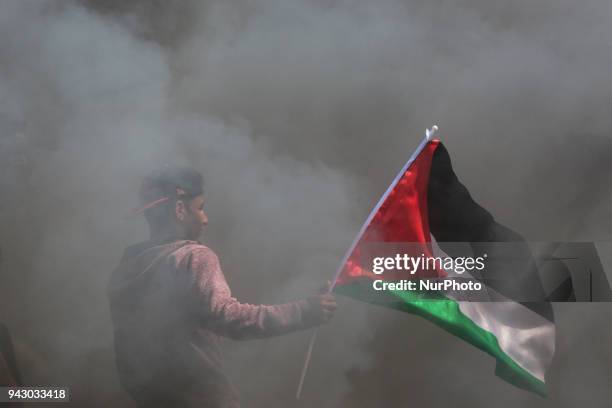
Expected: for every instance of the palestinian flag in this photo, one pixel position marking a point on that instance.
(425, 207)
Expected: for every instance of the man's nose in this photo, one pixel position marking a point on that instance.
(205, 219)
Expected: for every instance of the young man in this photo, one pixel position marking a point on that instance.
(170, 304)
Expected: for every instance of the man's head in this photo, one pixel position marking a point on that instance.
(173, 202)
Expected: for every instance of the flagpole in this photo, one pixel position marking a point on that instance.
(429, 133)
(306, 363)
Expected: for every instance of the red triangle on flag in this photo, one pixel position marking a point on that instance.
(401, 218)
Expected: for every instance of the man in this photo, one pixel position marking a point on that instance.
(170, 304)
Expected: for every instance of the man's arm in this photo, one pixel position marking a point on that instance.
(225, 315)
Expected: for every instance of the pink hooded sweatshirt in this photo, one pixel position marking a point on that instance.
(170, 305)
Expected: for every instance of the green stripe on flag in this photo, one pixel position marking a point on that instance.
(445, 313)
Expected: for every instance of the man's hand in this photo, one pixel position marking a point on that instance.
(322, 308)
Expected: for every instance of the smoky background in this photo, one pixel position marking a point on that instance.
(298, 114)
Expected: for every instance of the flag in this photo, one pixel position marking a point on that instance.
(424, 208)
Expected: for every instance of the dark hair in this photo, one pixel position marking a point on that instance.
(172, 183)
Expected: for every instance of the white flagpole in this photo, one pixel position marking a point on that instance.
(306, 363)
(429, 133)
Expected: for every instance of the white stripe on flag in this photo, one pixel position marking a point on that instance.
(525, 336)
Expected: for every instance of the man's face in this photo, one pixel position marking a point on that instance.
(194, 218)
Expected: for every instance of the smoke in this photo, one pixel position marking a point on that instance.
(354, 83)
(298, 114)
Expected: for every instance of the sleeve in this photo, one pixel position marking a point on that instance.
(226, 316)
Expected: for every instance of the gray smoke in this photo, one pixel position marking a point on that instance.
(299, 114)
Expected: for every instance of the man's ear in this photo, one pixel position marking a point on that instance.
(180, 210)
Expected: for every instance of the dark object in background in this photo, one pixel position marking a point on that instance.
(573, 272)
(9, 373)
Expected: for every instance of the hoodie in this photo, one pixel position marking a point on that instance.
(170, 307)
